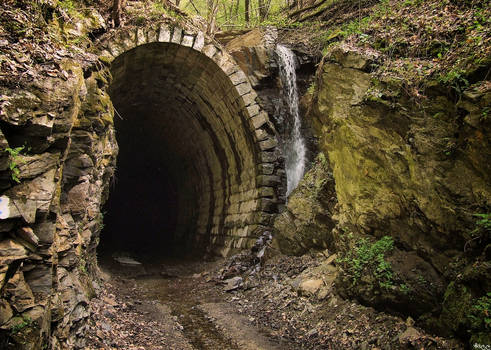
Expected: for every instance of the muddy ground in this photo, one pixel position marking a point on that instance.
(241, 303)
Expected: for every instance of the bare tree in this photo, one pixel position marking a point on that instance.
(211, 15)
(118, 5)
(236, 10)
(246, 10)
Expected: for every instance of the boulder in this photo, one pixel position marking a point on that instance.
(254, 52)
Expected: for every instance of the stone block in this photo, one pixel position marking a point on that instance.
(267, 192)
(268, 144)
(267, 205)
(152, 35)
(187, 40)
(237, 77)
(268, 180)
(268, 157)
(228, 66)
(259, 120)
(253, 110)
(261, 134)
(140, 36)
(126, 40)
(243, 89)
(176, 35)
(199, 41)
(266, 168)
(115, 49)
(249, 98)
(164, 34)
(209, 50)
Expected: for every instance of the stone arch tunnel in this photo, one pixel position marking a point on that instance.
(198, 163)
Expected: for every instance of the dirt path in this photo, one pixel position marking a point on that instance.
(171, 306)
(184, 306)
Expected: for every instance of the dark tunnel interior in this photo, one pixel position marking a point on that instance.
(141, 213)
(186, 177)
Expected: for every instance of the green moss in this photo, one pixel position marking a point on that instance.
(456, 303)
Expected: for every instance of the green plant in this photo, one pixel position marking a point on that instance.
(368, 257)
(311, 88)
(485, 113)
(100, 221)
(455, 79)
(421, 279)
(82, 266)
(404, 288)
(480, 313)
(14, 162)
(482, 230)
(25, 321)
(484, 222)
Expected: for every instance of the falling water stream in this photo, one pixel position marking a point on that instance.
(294, 145)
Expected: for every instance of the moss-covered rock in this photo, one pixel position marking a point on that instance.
(399, 167)
(411, 167)
(307, 220)
(378, 274)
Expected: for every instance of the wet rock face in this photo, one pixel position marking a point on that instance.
(255, 53)
(307, 219)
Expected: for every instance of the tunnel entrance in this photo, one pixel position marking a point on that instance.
(196, 164)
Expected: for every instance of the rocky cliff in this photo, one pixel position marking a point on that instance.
(60, 142)
(400, 191)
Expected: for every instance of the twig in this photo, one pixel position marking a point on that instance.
(117, 113)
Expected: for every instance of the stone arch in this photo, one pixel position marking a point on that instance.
(211, 125)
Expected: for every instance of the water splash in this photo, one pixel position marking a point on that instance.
(294, 146)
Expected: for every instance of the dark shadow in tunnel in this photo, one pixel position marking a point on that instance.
(141, 212)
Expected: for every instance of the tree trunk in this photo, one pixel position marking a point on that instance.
(236, 10)
(262, 10)
(246, 11)
(212, 7)
(116, 12)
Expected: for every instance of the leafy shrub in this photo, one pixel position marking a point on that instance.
(480, 313)
(369, 258)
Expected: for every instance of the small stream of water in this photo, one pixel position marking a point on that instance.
(294, 146)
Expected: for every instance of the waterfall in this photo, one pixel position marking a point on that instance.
(294, 146)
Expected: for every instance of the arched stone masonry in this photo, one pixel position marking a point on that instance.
(193, 92)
